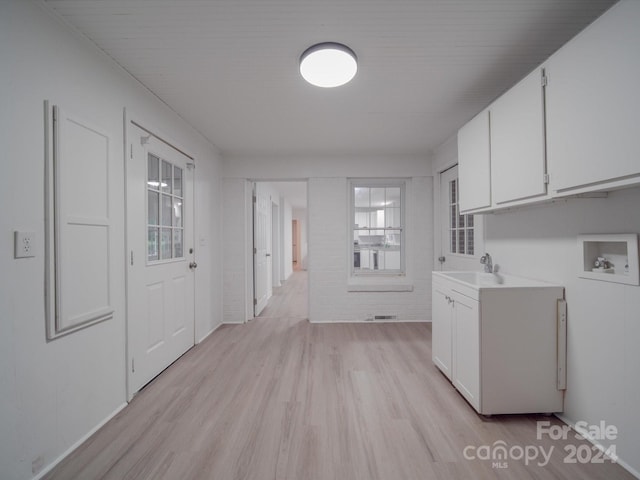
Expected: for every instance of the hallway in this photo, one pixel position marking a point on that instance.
(291, 300)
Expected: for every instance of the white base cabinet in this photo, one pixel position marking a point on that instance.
(498, 344)
(441, 328)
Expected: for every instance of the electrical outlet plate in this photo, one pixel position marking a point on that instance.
(24, 244)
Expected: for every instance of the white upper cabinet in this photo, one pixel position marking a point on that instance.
(593, 103)
(517, 142)
(474, 163)
(580, 133)
(501, 152)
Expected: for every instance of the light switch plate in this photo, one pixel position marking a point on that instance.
(24, 244)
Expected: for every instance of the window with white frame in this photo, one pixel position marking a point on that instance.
(461, 227)
(378, 231)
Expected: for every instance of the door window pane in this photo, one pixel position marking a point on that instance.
(153, 207)
(177, 243)
(177, 181)
(166, 177)
(153, 172)
(177, 212)
(166, 210)
(165, 243)
(152, 244)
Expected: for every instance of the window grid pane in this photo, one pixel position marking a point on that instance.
(470, 241)
(165, 209)
(461, 227)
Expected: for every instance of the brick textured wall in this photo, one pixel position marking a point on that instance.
(330, 300)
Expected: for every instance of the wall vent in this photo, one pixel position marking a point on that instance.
(385, 317)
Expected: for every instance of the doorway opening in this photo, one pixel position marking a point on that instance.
(280, 249)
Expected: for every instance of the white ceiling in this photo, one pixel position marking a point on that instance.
(230, 67)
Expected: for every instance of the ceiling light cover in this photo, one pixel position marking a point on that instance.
(328, 64)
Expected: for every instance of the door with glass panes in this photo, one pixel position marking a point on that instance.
(160, 274)
(461, 236)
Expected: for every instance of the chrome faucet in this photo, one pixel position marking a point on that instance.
(487, 262)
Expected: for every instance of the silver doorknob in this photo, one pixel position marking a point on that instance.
(193, 265)
(268, 254)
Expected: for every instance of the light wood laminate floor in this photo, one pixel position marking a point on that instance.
(280, 398)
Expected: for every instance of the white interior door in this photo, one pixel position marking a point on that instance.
(461, 236)
(261, 254)
(160, 273)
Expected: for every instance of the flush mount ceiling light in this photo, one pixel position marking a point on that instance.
(328, 64)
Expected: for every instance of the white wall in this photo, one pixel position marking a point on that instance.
(301, 168)
(54, 393)
(603, 365)
(237, 241)
(327, 230)
(300, 214)
(603, 318)
(208, 235)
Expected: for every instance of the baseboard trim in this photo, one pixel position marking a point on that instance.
(209, 333)
(82, 439)
(368, 322)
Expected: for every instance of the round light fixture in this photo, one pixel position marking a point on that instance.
(328, 64)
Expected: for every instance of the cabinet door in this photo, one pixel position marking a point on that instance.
(517, 142)
(441, 330)
(466, 355)
(474, 163)
(593, 104)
